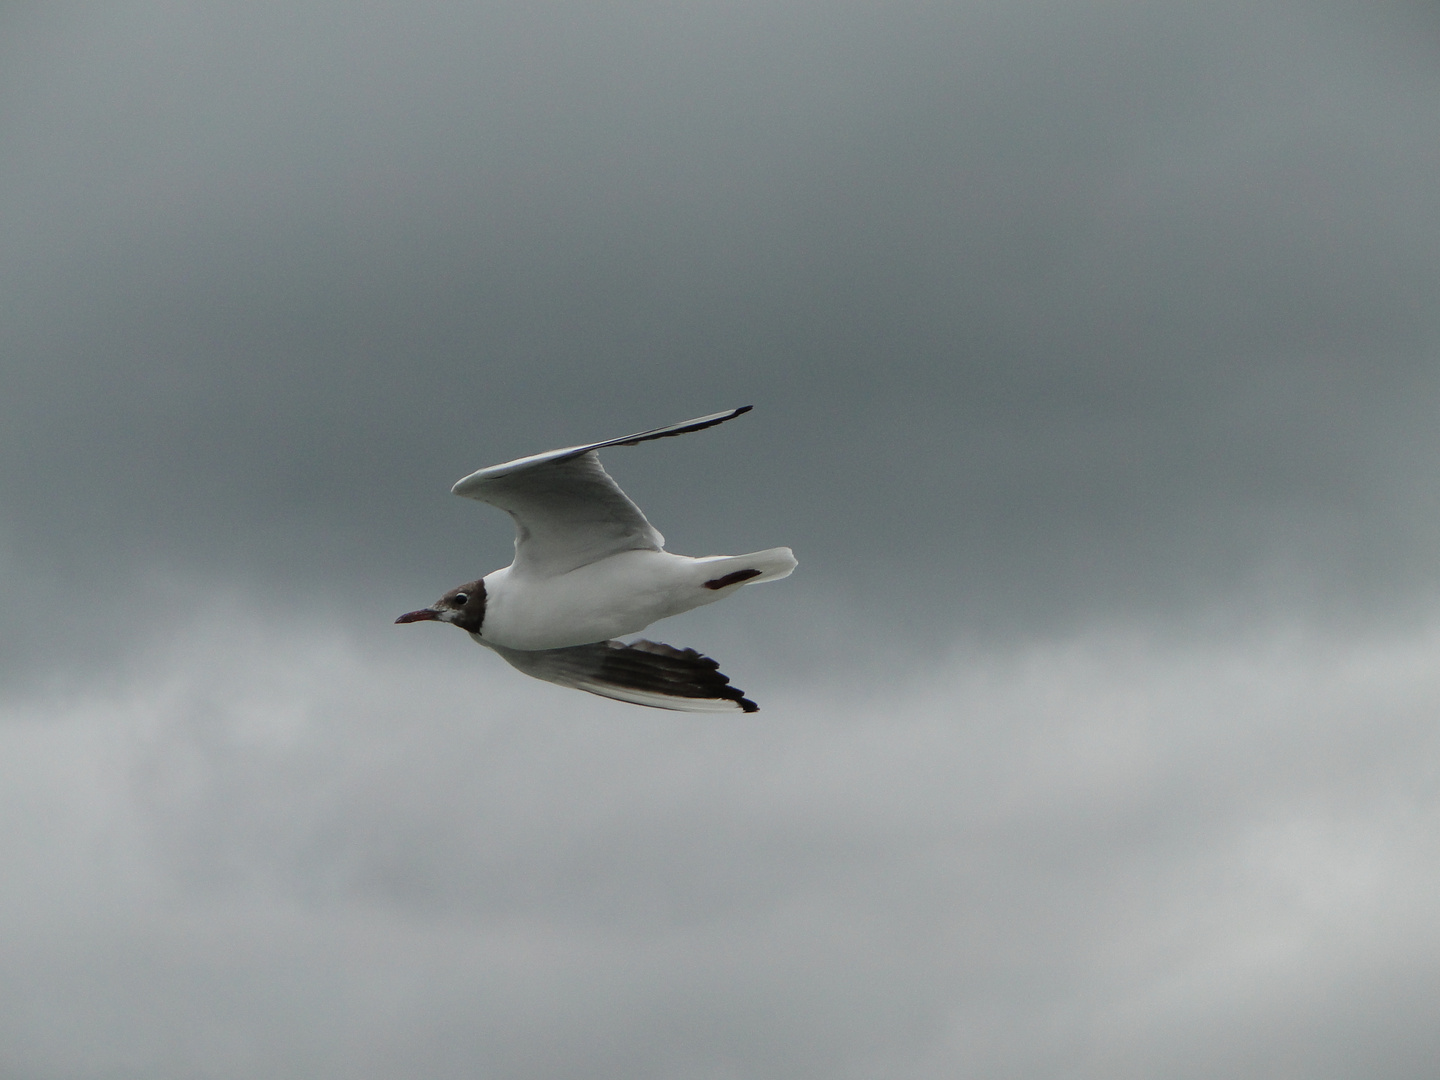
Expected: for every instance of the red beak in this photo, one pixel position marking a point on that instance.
(425, 614)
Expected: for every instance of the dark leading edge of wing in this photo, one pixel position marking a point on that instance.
(474, 485)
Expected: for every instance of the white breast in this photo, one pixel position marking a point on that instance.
(619, 595)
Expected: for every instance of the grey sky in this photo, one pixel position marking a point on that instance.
(1093, 350)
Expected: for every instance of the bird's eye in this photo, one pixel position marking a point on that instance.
(460, 599)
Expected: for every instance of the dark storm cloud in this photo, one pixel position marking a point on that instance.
(1080, 309)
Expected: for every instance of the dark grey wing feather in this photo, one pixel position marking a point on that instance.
(642, 673)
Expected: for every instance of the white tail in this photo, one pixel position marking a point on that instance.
(771, 564)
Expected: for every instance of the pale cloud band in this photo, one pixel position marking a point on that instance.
(253, 854)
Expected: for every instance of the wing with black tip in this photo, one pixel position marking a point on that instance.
(642, 673)
(568, 511)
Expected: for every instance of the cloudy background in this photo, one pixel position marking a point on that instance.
(1094, 355)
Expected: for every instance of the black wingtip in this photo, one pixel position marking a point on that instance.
(678, 673)
(685, 427)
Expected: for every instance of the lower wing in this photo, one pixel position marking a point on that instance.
(642, 673)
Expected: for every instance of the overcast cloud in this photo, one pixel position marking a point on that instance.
(1093, 350)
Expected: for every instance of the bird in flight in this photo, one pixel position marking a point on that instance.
(588, 569)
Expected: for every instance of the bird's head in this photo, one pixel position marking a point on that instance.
(462, 606)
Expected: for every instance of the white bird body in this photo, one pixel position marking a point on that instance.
(590, 568)
(621, 594)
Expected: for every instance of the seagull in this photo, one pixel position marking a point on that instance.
(589, 568)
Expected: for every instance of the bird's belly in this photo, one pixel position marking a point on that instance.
(616, 596)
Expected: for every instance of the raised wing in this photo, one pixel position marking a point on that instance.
(568, 511)
(642, 673)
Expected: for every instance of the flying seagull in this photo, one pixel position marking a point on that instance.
(588, 569)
